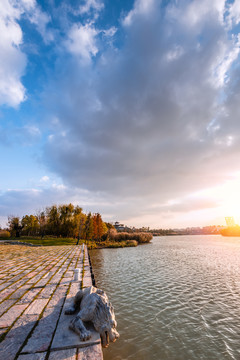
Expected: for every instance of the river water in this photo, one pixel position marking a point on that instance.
(177, 298)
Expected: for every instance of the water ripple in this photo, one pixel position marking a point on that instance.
(176, 299)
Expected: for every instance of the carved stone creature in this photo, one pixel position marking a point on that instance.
(94, 306)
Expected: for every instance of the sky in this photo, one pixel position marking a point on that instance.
(129, 108)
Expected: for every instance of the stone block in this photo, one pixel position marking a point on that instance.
(2, 331)
(93, 352)
(43, 333)
(34, 278)
(36, 307)
(6, 292)
(68, 354)
(74, 288)
(9, 348)
(36, 356)
(22, 327)
(16, 337)
(87, 281)
(29, 296)
(6, 305)
(58, 297)
(47, 291)
(42, 282)
(19, 292)
(11, 315)
(68, 274)
(4, 285)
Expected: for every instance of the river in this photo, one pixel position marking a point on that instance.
(177, 298)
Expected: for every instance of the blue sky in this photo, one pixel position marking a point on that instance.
(129, 108)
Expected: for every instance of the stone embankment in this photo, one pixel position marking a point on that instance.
(36, 284)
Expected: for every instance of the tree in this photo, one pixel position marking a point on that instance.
(79, 220)
(89, 227)
(30, 225)
(66, 220)
(99, 227)
(42, 221)
(14, 226)
(53, 220)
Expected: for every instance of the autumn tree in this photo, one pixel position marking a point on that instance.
(99, 227)
(30, 225)
(64, 220)
(79, 220)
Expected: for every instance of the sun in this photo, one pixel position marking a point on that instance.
(228, 196)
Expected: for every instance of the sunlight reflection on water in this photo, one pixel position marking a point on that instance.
(176, 298)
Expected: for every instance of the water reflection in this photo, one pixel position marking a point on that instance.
(177, 298)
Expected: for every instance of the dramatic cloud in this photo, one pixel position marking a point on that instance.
(139, 113)
(146, 120)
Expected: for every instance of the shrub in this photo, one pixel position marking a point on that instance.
(141, 238)
(131, 243)
(4, 234)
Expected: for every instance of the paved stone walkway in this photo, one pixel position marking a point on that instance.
(36, 284)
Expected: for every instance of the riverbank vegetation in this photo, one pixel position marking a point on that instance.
(140, 238)
(66, 225)
(63, 221)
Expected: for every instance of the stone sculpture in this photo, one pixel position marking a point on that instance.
(93, 305)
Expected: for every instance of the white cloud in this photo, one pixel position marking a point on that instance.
(12, 59)
(44, 179)
(41, 20)
(59, 186)
(195, 14)
(110, 32)
(95, 5)
(141, 8)
(234, 13)
(81, 41)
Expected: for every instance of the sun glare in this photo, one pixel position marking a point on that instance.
(228, 198)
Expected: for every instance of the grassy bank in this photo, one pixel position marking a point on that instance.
(112, 240)
(50, 241)
(46, 241)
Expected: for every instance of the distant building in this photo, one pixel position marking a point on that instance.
(118, 226)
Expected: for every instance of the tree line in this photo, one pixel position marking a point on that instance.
(61, 221)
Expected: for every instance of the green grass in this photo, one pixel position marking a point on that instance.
(54, 241)
(46, 241)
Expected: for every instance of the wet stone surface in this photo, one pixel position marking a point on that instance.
(36, 284)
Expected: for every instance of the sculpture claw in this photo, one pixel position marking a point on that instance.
(85, 335)
(77, 326)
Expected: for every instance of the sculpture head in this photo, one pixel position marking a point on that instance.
(109, 332)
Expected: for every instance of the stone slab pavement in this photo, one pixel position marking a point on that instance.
(36, 284)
